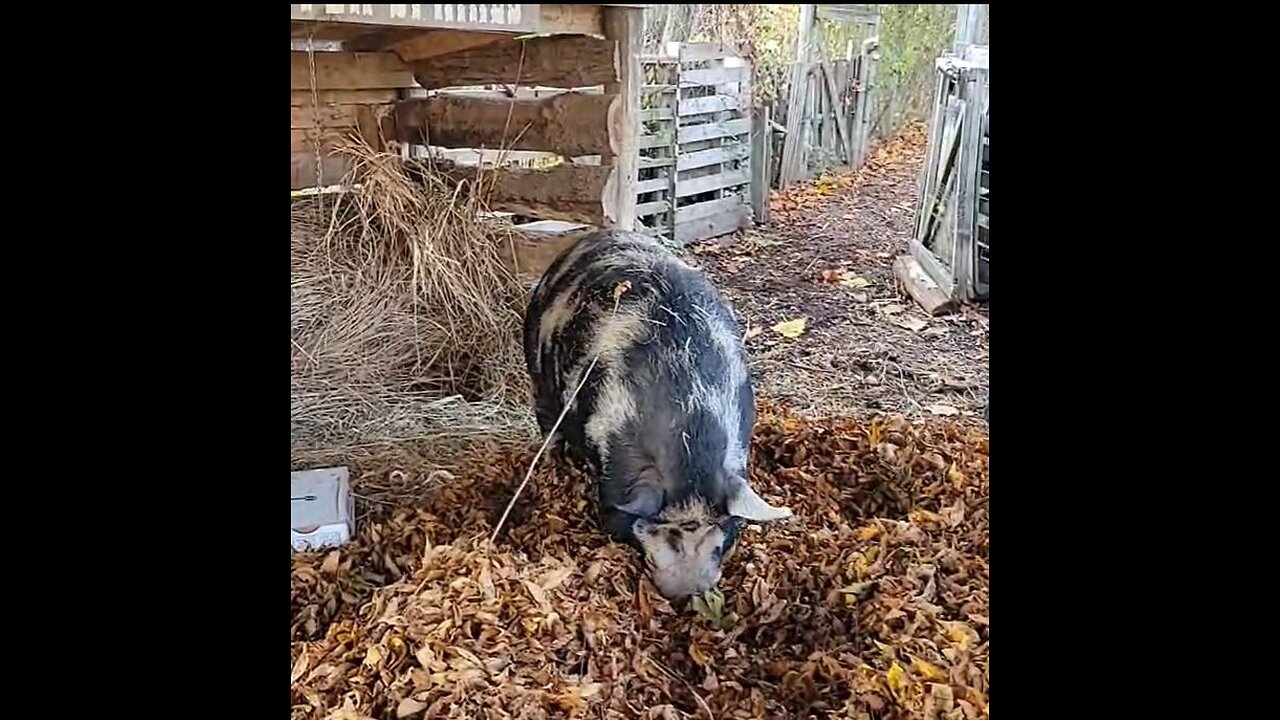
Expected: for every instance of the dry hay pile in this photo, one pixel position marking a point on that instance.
(871, 603)
(404, 318)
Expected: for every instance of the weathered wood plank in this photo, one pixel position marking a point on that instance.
(714, 76)
(624, 26)
(568, 19)
(652, 208)
(508, 18)
(713, 103)
(561, 61)
(706, 209)
(795, 148)
(714, 156)
(348, 71)
(711, 131)
(302, 139)
(697, 52)
(713, 226)
(565, 192)
(648, 162)
(425, 44)
(685, 188)
(345, 97)
(302, 170)
(837, 112)
(921, 287)
(332, 115)
(566, 124)
(654, 185)
(647, 142)
(761, 150)
(534, 246)
(860, 14)
(658, 113)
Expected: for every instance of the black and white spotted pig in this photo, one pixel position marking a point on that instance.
(665, 417)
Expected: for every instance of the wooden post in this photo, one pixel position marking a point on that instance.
(793, 149)
(760, 146)
(624, 25)
(862, 114)
(968, 25)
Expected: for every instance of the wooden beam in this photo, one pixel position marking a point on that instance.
(572, 19)
(430, 43)
(532, 249)
(365, 123)
(921, 287)
(565, 192)
(566, 61)
(302, 98)
(761, 147)
(348, 71)
(624, 28)
(568, 124)
(302, 170)
(332, 116)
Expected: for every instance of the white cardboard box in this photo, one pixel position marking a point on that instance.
(321, 509)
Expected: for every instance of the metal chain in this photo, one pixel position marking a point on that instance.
(315, 103)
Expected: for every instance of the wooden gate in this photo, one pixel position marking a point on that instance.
(829, 116)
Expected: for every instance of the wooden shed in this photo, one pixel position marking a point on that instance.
(561, 79)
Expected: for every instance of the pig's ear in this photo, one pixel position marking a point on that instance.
(746, 504)
(644, 497)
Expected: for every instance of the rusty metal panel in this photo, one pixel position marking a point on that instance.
(459, 16)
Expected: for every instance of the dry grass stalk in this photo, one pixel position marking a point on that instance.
(404, 317)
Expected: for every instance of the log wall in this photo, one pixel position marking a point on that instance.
(474, 98)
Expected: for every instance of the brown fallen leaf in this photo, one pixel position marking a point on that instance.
(409, 706)
(331, 562)
(436, 634)
(943, 410)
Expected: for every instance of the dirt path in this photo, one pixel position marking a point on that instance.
(826, 257)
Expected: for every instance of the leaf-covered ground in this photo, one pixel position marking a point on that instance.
(850, 342)
(872, 602)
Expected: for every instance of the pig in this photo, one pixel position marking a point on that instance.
(664, 419)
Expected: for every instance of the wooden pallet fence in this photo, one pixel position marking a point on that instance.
(695, 145)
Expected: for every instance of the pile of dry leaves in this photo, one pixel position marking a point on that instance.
(872, 602)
